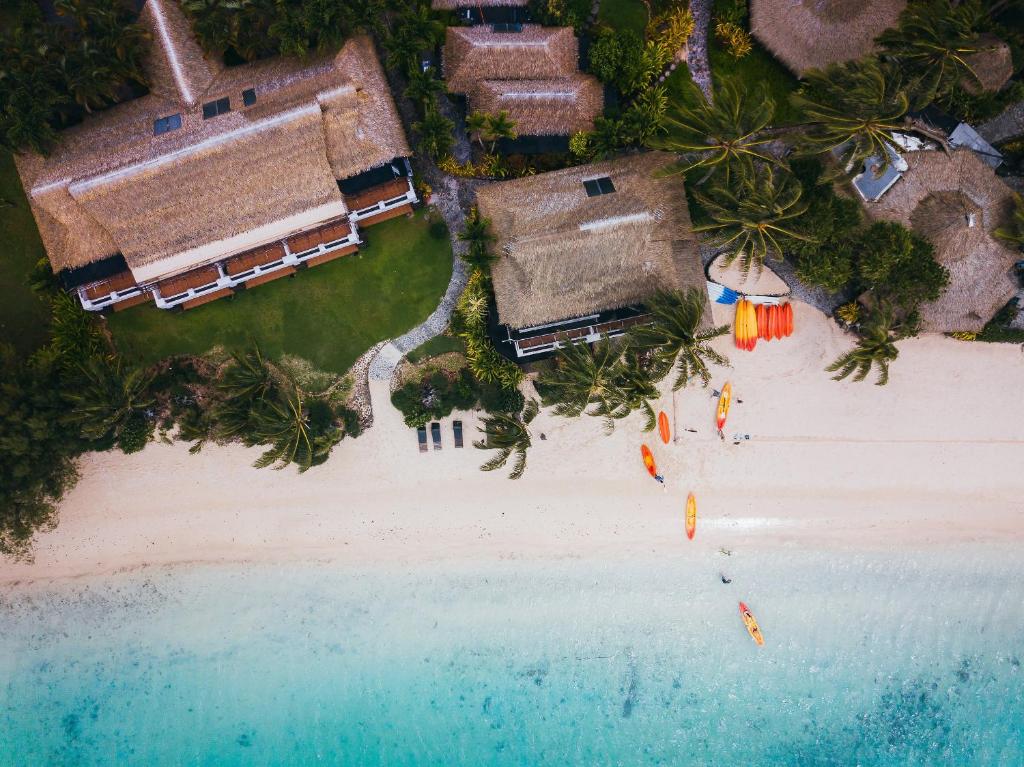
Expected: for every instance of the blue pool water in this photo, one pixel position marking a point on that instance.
(902, 658)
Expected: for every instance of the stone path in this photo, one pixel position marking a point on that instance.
(697, 46)
(1007, 124)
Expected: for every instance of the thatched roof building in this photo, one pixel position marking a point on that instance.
(811, 34)
(992, 65)
(532, 74)
(955, 202)
(569, 251)
(213, 160)
(453, 5)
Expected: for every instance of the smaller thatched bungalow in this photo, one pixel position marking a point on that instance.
(811, 34)
(992, 65)
(580, 249)
(956, 202)
(529, 71)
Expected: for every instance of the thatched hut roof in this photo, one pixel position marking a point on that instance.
(956, 201)
(563, 254)
(811, 34)
(992, 65)
(543, 107)
(193, 193)
(453, 5)
(472, 54)
(176, 67)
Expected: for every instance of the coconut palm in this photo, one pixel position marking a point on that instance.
(875, 347)
(212, 23)
(718, 134)
(107, 396)
(477, 235)
(932, 43)
(424, 86)
(1013, 232)
(854, 107)
(509, 435)
(435, 131)
(498, 126)
(282, 421)
(753, 213)
(675, 337)
(476, 124)
(246, 376)
(633, 388)
(582, 377)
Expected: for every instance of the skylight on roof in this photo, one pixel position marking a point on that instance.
(218, 107)
(165, 124)
(598, 186)
(249, 97)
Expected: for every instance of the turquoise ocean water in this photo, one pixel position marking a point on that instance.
(901, 658)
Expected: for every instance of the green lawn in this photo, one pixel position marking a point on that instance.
(437, 345)
(23, 317)
(623, 14)
(329, 314)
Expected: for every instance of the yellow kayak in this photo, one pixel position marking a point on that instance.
(691, 516)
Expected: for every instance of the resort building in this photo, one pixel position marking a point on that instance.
(580, 249)
(956, 201)
(527, 70)
(500, 12)
(811, 34)
(221, 178)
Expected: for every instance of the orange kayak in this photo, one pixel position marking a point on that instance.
(724, 400)
(663, 427)
(691, 516)
(649, 460)
(751, 623)
(787, 313)
(762, 321)
(773, 323)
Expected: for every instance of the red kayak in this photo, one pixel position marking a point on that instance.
(663, 427)
(648, 457)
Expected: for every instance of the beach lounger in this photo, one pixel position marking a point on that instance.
(457, 428)
(421, 435)
(435, 435)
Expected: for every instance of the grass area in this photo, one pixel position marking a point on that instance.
(23, 316)
(329, 314)
(624, 14)
(435, 346)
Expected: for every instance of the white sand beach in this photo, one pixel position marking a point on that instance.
(935, 457)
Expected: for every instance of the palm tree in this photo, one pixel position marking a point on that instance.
(107, 397)
(477, 235)
(282, 422)
(932, 43)
(752, 212)
(499, 126)
(854, 107)
(508, 434)
(435, 131)
(246, 377)
(424, 86)
(722, 132)
(875, 347)
(633, 388)
(583, 376)
(212, 23)
(1013, 232)
(645, 117)
(476, 124)
(676, 338)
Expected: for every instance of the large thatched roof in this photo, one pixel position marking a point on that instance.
(112, 186)
(956, 201)
(809, 34)
(543, 107)
(478, 53)
(563, 254)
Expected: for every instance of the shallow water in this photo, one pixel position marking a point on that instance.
(903, 658)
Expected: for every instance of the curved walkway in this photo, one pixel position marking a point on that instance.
(697, 46)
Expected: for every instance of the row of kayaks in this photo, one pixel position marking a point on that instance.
(664, 430)
(767, 322)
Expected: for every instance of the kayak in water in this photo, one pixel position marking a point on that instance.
(751, 623)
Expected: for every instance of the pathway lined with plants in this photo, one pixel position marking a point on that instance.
(697, 46)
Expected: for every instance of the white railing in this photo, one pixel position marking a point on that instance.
(385, 205)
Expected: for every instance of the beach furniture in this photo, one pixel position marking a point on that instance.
(421, 435)
(457, 429)
(435, 435)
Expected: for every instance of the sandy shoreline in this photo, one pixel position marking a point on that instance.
(932, 458)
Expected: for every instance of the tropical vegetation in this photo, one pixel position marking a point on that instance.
(509, 434)
(52, 74)
(875, 349)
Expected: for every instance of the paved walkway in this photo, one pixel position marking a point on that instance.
(697, 46)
